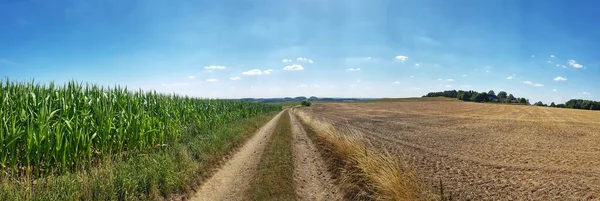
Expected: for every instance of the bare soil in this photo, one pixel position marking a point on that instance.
(484, 151)
(312, 179)
(231, 181)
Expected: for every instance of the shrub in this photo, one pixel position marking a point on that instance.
(306, 103)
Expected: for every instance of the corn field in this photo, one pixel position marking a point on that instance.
(49, 128)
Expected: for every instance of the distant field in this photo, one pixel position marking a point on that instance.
(484, 151)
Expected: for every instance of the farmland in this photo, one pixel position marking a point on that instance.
(47, 131)
(483, 151)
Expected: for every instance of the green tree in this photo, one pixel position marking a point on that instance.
(502, 95)
(491, 93)
(552, 104)
(510, 98)
(524, 101)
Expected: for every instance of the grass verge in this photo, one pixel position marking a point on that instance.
(170, 173)
(363, 171)
(274, 179)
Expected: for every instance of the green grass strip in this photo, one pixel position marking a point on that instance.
(274, 179)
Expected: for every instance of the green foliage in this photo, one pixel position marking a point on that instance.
(306, 103)
(502, 95)
(491, 93)
(552, 104)
(58, 129)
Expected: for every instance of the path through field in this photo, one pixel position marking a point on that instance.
(312, 180)
(231, 180)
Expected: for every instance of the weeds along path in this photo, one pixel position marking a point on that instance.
(231, 180)
(313, 181)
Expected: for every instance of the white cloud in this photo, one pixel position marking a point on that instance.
(563, 66)
(510, 78)
(559, 78)
(192, 77)
(401, 58)
(286, 60)
(534, 84)
(586, 93)
(440, 79)
(211, 80)
(302, 86)
(175, 84)
(253, 72)
(268, 71)
(538, 85)
(574, 64)
(235, 78)
(412, 76)
(528, 82)
(397, 82)
(464, 75)
(465, 86)
(552, 55)
(417, 64)
(353, 85)
(294, 67)
(302, 59)
(448, 86)
(554, 90)
(367, 58)
(532, 56)
(358, 80)
(315, 85)
(450, 80)
(549, 62)
(215, 67)
(353, 69)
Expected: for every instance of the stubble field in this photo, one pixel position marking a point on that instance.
(484, 151)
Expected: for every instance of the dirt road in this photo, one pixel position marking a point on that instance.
(231, 180)
(313, 181)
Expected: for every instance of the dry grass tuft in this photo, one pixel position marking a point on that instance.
(374, 170)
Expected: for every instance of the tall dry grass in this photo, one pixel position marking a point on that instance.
(367, 166)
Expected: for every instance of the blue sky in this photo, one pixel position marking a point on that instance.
(539, 49)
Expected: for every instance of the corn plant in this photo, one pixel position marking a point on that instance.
(54, 129)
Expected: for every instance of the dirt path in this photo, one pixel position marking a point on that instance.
(313, 181)
(231, 180)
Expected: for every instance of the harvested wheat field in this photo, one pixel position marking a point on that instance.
(483, 151)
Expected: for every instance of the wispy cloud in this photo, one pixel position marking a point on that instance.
(235, 78)
(401, 58)
(192, 77)
(510, 78)
(353, 69)
(554, 90)
(533, 84)
(574, 64)
(294, 67)
(211, 80)
(447, 80)
(302, 59)
(215, 67)
(448, 86)
(560, 79)
(586, 93)
(286, 60)
(253, 72)
(268, 71)
(397, 82)
(464, 75)
(552, 55)
(417, 64)
(302, 86)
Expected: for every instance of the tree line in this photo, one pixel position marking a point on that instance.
(474, 96)
(502, 97)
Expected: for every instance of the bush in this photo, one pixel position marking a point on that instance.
(306, 103)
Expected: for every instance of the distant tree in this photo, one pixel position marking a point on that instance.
(502, 95)
(552, 104)
(510, 98)
(478, 97)
(491, 93)
(524, 101)
(539, 103)
(306, 103)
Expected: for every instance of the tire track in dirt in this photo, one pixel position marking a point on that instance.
(232, 179)
(313, 181)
